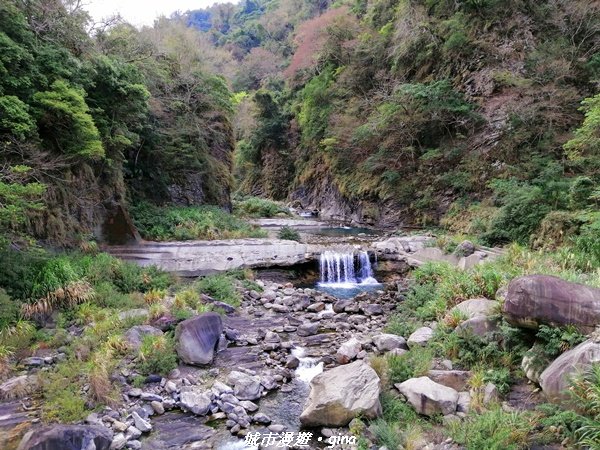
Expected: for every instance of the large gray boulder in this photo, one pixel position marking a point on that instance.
(195, 401)
(456, 379)
(480, 326)
(388, 342)
(428, 397)
(420, 337)
(557, 377)
(348, 351)
(18, 387)
(339, 395)
(67, 437)
(540, 299)
(135, 335)
(476, 307)
(198, 337)
(245, 387)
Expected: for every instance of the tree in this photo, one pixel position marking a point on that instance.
(66, 123)
(18, 197)
(584, 148)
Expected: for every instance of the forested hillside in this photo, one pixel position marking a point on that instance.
(421, 112)
(91, 118)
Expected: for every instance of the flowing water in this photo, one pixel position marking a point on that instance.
(308, 367)
(346, 274)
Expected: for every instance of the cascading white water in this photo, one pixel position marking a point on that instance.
(346, 269)
(308, 368)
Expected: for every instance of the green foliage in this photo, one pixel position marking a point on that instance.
(493, 430)
(314, 106)
(523, 210)
(221, 288)
(413, 363)
(66, 122)
(15, 118)
(565, 422)
(62, 391)
(199, 222)
(500, 377)
(583, 148)
(258, 207)
(289, 234)
(556, 340)
(9, 310)
(157, 355)
(18, 196)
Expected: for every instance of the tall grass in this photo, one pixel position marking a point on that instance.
(188, 223)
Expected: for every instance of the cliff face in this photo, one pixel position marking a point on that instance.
(101, 121)
(403, 111)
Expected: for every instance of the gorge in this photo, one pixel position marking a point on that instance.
(350, 224)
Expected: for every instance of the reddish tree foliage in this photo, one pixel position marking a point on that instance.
(310, 39)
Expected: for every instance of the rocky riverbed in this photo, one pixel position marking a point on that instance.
(299, 360)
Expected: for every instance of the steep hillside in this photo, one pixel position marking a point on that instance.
(394, 112)
(92, 118)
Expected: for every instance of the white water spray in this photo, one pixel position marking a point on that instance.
(346, 270)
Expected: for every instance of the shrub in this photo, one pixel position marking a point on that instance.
(413, 363)
(64, 401)
(157, 355)
(220, 287)
(9, 310)
(493, 430)
(557, 340)
(186, 223)
(259, 207)
(289, 234)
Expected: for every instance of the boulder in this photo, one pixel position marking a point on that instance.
(348, 351)
(465, 248)
(198, 337)
(540, 299)
(456, 379)
(308, 329)
(533, 365)
(388, 342)
(339, 395)
(476, 307)
(479, 326)
(18, 387)
(245, 387)
(372, 309)
(555, 380)
(428, 397)
(195, 402)
(135, 335)
(67, 437)
(420, 337)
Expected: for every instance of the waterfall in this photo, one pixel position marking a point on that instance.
(346, 269)
(308, 368)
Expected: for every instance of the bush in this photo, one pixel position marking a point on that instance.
(187, 223)
(157, 355)
(413, 363)
(221, 288)
(64, 401)
(493, 430)
(259, 207)
(289, 234)
(9, 310)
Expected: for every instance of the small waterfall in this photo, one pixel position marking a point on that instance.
(308, 368)
(346, 269)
